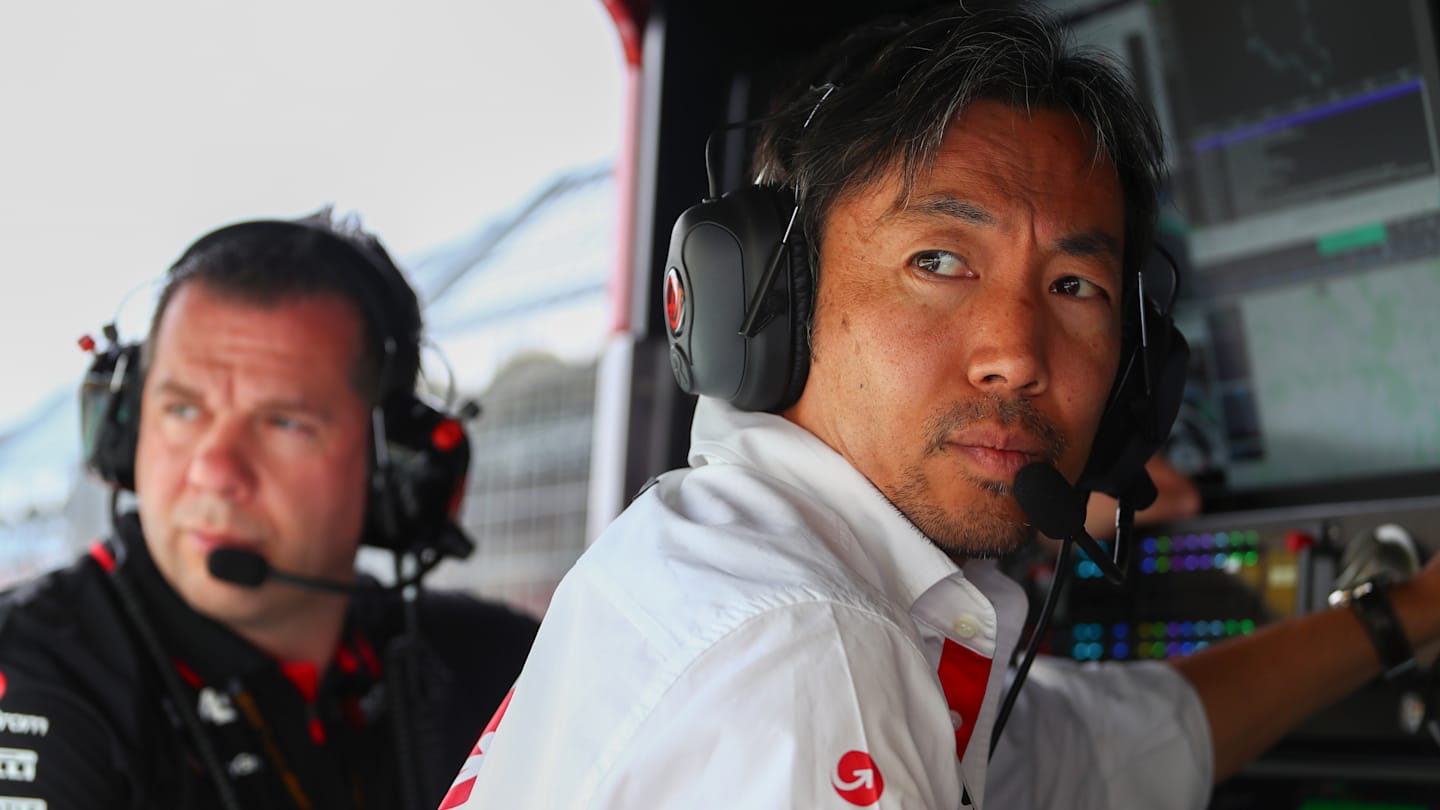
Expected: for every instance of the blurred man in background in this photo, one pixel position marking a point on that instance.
(219, 649)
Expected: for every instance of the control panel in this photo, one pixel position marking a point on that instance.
(1198, 583)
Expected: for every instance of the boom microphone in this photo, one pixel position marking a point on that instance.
(248, 569)
(1058, 510)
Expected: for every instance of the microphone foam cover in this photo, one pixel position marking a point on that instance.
(238, 566)
(1053, 506)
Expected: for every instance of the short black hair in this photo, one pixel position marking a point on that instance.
(900, 83)
(268, 262)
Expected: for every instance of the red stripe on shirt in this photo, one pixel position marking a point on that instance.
(103, 556)
(459, 794)
(964, 674)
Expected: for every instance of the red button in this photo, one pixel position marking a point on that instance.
(447, 435)
(1297, 541)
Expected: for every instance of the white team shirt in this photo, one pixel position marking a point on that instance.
(765, 630)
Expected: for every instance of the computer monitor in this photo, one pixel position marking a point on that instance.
(1305, 203)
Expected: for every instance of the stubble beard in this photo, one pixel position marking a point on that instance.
(986, 530)
(987, 527)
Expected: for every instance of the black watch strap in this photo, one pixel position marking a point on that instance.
(1371, 605)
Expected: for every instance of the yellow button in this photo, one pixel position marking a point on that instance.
(966, 626)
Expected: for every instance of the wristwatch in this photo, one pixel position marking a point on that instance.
(1370, 603)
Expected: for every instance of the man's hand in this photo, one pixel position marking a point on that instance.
(1427, 583)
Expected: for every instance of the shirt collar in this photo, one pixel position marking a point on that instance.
(904, 563)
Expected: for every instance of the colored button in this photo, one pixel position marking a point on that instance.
(966, 626)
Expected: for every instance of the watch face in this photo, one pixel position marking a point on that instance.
(1371, 605)
(1386, 553)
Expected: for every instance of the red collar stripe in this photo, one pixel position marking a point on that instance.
(964, 674)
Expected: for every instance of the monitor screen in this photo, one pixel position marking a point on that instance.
(1305, 207)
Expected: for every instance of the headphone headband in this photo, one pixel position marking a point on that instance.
(385, 301)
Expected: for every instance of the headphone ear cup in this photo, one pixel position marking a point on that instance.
(720, 253)
(110, 414)
(416, 490)
(1142, 408)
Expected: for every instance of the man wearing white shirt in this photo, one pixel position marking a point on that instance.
(809, 615)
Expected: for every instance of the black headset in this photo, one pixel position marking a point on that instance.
(739, 292)
(420, 454)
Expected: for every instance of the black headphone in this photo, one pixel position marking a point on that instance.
(738, 298)
(739, 293)
(420, 455)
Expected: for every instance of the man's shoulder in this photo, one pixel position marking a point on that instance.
(67, 686)
(445, 608)
(65, 601)
(481, 621)
(474, 636)
(741, 510)
(758, 525)
(740, 494)
(706, 551)
(67, 629)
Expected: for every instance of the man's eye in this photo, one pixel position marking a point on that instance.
(941, 263)
(1078, 288)
(182, 410)
(289, 425)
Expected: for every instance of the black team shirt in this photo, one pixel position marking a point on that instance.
(87, 722)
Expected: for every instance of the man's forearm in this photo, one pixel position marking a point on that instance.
(1257, 688)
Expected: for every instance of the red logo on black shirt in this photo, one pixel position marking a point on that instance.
(857, 779)
(2, 684)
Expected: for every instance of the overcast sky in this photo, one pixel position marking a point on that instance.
(128, 129)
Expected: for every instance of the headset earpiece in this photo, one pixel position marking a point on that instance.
(110, 412)
(1143, 403)
(742, 259)
(415, 498)
(720, 252)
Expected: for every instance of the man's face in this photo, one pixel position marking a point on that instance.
(974, 327)
(252, 436)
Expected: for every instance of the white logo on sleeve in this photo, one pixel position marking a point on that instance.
(215, 707)
(18, 764)
(244, 764)
(20, 803)
(16, 723)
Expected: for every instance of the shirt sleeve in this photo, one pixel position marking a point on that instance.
(56, 753)
(815, 705)
(1103, 736)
